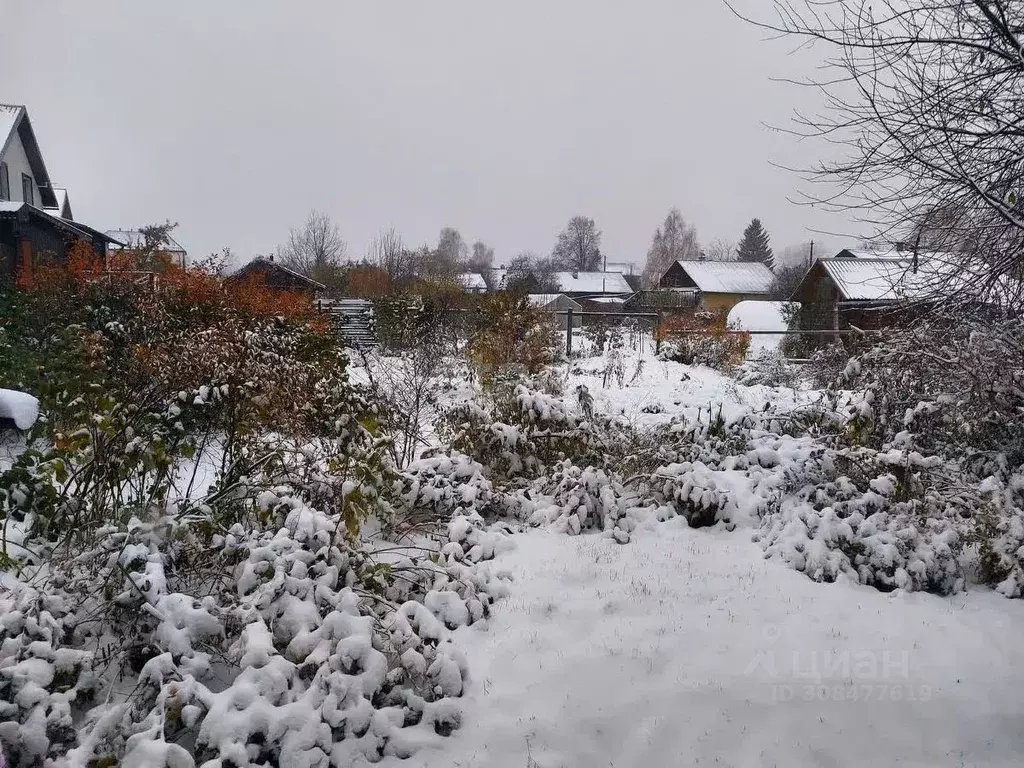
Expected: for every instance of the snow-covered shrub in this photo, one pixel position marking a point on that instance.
(769, 369)
(518, 434)
(511, 339)
(999, 533)
(887, 519)
(693, 491)
(436, 488)
(703, 338)
(579, 499)
(248, 616)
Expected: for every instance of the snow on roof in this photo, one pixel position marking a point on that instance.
(860, 253)
(542, 299)
(472, 281)
(9, 116)
(592, 282)
(10, 206)
(895, 279)
(729, 276)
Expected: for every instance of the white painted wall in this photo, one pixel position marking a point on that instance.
(17, 164)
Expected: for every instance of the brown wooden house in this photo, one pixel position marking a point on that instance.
(277, 276)
(868, 293)
(718, 285)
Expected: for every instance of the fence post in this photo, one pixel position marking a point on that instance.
(657, 335)
(568, 332)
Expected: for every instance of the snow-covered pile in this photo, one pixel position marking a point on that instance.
(761, 316)
(20, 407)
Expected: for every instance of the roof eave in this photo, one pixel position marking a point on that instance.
(35, 159)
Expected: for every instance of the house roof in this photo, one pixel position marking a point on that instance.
(14, 208)
(889, 280)
(541, 300)
(863, 253)
(592, 282)
(14, 119)
(472, 281)
(635, 282)
(134, 238)
(63, 206)
(729, 276)
(264, 262)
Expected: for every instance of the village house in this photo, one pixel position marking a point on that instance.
(718, 285)
(472, 282)
(867, 291)
(36, 222)
(579, 285)
(277, 277)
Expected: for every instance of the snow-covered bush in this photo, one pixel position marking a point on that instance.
(769, 368)
(512, 339)
(999, 533)
(248, 614)
(703, 338)
(519, 434)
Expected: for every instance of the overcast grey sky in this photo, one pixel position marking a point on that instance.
(236, 117)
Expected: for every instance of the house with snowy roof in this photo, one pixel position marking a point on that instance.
(472, 282)
(870, 291)
(36, 223)
(586, 284)
(719, 285)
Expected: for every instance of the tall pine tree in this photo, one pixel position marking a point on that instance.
(754, 245)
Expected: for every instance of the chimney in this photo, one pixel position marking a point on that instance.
(575, 275)
(703, 256)
(271, 257)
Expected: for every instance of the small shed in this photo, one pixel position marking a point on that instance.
(472, 282)
(277, 276)
(720, 285)
(31, 237)
(843, 291)
(558, 303)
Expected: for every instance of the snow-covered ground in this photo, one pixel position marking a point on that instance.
(657, 390)
(685, 647)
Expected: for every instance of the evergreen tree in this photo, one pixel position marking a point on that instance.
(754, 245)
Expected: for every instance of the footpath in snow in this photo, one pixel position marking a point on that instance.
(685, 647)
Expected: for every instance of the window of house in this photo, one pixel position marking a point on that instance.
(5, 183)
(26, 189)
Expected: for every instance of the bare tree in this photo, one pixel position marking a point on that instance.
(720, 250)
(451, 248)
(482, 257)
(927, 99)
(579, 245)
(675, 240)
(387, 252)
(316, 249)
